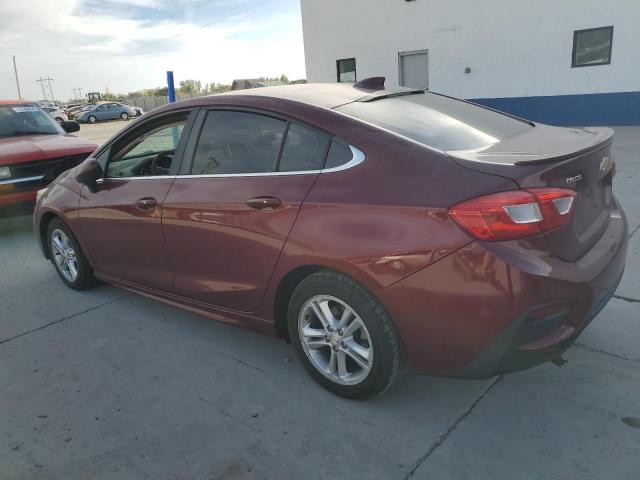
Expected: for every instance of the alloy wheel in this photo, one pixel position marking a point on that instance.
(335, 339)
(64, 255)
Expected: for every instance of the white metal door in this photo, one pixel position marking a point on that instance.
(414, 69)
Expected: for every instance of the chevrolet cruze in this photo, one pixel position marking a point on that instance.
(374, 229)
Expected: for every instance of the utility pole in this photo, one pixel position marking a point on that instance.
(77, 93)
(50, 89)
(15, 70)
(41, 82)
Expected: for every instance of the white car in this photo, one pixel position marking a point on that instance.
(56, 113)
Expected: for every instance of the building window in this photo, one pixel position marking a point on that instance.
(592, 47)
(346, 70)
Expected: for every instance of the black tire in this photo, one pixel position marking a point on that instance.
(59, 120)
(124, 116)
(389, 358)
(84, 271)
(92, 119)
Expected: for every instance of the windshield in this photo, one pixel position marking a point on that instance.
(438, 121)
(18, 120)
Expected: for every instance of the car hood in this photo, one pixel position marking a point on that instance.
(31, 148)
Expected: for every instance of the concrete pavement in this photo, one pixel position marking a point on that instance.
(105, 384)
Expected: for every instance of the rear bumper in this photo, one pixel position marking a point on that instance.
(493, 308)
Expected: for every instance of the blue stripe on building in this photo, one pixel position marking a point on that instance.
(620, 108)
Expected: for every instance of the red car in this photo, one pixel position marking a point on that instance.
(373, 229)
(34, 150)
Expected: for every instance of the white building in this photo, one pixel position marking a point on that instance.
(556, 61)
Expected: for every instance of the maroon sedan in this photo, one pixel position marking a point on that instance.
(373, 229)
(34, 150)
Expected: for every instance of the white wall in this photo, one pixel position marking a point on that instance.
(513, 47)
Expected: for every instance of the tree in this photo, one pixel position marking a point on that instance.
(190, 86)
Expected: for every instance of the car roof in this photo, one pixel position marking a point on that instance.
(326, 95)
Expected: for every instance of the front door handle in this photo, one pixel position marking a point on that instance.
(264, 203)
(146, 203)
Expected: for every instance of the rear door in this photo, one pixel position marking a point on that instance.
(113, 111)
(227, 217)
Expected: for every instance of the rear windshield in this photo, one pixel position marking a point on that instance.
(437, 121)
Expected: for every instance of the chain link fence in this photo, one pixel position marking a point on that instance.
(147, 103)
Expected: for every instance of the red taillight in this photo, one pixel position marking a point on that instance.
(515, 214)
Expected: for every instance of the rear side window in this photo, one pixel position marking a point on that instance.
(238, 142)
(438, 121)
(339, 153)
(304, 149)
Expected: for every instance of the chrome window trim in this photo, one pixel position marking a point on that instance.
(10, 181)
(358, 157)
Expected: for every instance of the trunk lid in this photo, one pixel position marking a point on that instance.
(545, 156)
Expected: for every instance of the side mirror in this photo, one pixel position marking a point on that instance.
(70, 126)
(90, 171)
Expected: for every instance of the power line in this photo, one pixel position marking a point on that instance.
(251, 7)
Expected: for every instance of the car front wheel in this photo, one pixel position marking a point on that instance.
(92, 119)
(343, 336)
(124, 116)
(59, 120)
(67, 256)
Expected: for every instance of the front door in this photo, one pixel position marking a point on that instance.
(227, 220)
(121, 218)
(414, 69)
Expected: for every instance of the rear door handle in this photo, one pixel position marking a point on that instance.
(264, 203)
(146, 203)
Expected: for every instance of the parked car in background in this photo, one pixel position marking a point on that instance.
(105, 111)
(34, 150)
(372, 228)
(76, 109)
(70, 106)
(138, 111)
(57, 114)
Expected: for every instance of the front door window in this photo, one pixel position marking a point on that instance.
(150, 152)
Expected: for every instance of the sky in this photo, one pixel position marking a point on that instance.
(128, 45)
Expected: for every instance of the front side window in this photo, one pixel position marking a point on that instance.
(438, 121)
(346, 70)
(238, 142)
(16, 120)
(592, 47)
(148, 152)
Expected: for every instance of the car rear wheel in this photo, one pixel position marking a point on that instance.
(343, 336)
(59, 120)
(92, 119)
(124, 116)
(67, 256)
